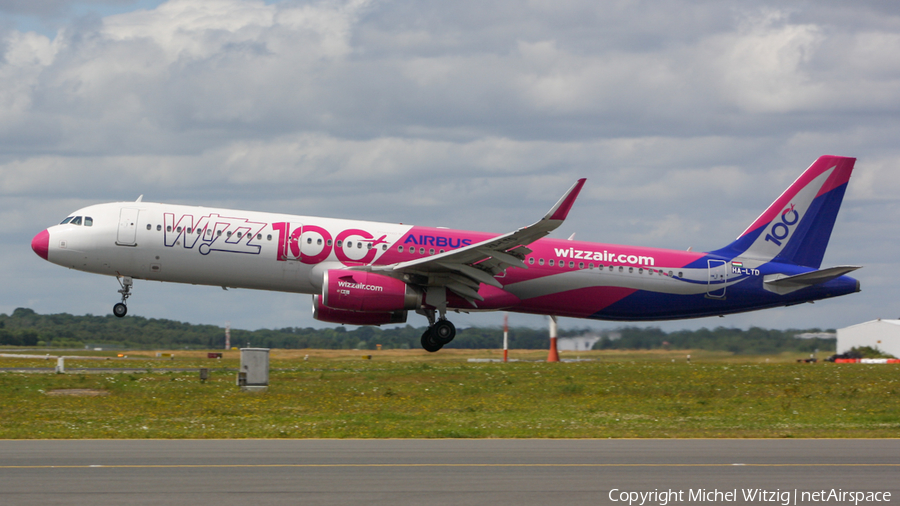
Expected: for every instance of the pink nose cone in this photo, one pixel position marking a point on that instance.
(41, 244)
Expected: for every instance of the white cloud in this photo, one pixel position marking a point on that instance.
(762, 66)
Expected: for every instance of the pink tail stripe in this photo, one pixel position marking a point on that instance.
(840, 176)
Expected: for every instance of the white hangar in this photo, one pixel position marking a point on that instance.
(881, 334)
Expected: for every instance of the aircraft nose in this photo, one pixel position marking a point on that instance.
(41, 244)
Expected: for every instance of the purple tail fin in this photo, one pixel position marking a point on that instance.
(795, 229)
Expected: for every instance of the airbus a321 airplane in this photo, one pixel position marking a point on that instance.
(368, 273)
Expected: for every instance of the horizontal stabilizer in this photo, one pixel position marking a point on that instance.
(783, 284)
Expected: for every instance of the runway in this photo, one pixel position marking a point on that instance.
(439, 472)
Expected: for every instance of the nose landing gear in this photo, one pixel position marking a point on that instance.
(120, 309)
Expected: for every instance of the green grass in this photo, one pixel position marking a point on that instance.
(413, 394)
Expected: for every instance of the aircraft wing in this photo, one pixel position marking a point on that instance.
(463, 270)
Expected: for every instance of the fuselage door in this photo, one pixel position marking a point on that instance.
(718, 276)
(127, 227)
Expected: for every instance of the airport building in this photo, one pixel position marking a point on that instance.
(580, 343)
(881, 334)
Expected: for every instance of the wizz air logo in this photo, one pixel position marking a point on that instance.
(782, 229)
(212, 233)
(604, 256)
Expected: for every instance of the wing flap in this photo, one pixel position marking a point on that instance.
(473, 273)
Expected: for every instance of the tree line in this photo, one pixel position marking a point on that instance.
(24, 327)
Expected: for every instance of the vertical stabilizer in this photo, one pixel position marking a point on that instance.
(795, 229)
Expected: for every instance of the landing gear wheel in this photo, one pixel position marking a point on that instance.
(126, 283)
(444, 331)
(430, 344)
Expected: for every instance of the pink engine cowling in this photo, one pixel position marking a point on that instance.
(324, 313)
(367, 292)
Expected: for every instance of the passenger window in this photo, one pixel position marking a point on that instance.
(600, 267)
(631, 270)
(680, 274)
(148, 226)
(239, 235)
(621, 269)
(591, 265)
(328, 242)
(168, 228)
(400, 249)
(571, 263)
(421, 251)
(531, 260)
(551, 263)
(309, 240)
(269, 237)
(581, 265)
(431, 251)
(359, 245)
(66, 220)
(441, 251)
(189, 230)
(340, 243)
(158, 228)
(384, 247)
(76, 220)
(219, 233)
(640, 271)
(88, 221)
(540, 261)
(369, 246)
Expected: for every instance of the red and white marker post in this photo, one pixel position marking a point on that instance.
(553, 356)
(506, 337)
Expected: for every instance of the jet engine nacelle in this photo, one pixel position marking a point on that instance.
(367, 292)
(324, 313)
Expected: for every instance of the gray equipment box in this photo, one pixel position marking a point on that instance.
(254, 370)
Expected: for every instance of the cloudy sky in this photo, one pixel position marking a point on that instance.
(687, 117)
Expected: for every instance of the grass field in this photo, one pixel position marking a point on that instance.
(410, 393)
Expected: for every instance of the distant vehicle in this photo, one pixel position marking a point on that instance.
(368, 273)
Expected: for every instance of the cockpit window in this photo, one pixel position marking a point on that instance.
(88, 221)
(66, 220)
(76, 221)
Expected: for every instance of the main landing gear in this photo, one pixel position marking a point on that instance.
(120, 309)
(439, 332)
